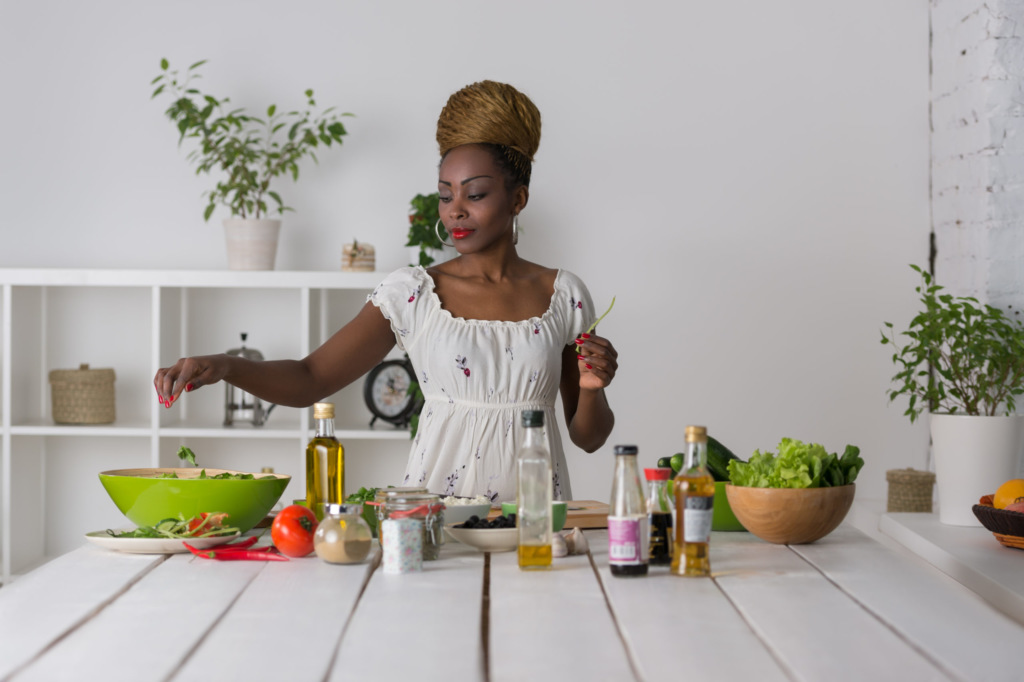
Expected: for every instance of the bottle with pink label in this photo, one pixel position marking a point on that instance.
(628, 538)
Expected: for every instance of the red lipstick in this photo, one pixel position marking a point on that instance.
(460, 233)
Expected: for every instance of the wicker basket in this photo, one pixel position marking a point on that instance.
(910, 490)
(1007, 526)
(82, 396)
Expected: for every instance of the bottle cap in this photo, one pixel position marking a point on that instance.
(626, 450)
(696, 434)
(659, 474)
(533, 418)
(323, 411)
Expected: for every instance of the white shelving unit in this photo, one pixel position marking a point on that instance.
(136, 321)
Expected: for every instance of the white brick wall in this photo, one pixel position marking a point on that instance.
(977, 112)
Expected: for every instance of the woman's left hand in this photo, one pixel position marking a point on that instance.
(598, 361)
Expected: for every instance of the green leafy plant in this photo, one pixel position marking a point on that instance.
(960, 356)
(423, 216)
(249, 151)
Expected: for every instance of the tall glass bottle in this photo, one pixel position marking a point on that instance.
(628, 539)
(325, 462)
(659, 515)
(695, 496)
(534, 494)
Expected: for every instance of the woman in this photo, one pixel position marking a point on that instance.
(489, 333)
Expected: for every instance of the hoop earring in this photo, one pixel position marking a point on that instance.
(437, 231)
(515, 229)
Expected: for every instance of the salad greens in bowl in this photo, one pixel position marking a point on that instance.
(798, 495)
(149, 496)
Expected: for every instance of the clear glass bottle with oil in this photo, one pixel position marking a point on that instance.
(695, 496)
(325, 462)
(534, 493)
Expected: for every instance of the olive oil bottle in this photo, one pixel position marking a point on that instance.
(534, 493)
(325, 462)
(695, 497)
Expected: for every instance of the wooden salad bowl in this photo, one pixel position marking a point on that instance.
(790, 516)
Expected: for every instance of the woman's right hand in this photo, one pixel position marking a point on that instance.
(188, 374)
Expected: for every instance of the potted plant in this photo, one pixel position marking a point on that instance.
(249, 153)
(424, 228)
(963, 362)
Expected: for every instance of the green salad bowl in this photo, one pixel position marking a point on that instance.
(146, 500)
(722, 516)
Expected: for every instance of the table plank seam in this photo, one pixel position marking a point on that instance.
(485, 619)
(199, 640)
(783, 666)
(374, 565)
(85, 619)
(939, 665)
(630, 654)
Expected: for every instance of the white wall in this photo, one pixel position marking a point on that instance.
(749, 179)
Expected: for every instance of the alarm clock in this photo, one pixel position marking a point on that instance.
(387, 395)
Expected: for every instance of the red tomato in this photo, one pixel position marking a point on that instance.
(292, 530)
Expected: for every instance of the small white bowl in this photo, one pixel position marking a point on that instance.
(486, 539)
(459, 513)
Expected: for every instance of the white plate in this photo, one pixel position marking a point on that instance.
(486, 539)
(152, 545)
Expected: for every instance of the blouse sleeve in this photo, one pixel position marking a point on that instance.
(580, 306)
(398, 297)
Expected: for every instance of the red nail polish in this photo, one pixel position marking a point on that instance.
(580, 357)
(189, 387)
(588, 367)
(161, 399)
(585, 336)
(579, 342)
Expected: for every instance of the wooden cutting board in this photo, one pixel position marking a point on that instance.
(582, 514)
(585, 514)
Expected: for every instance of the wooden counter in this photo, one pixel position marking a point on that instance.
(844, 608)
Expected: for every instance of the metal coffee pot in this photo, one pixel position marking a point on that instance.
(240, 406)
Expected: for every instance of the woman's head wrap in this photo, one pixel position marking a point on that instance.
(494, 114)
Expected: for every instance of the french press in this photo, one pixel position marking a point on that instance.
(240, 406)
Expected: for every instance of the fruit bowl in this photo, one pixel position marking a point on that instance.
(147, 500)
(790, 516)
(1007, 526)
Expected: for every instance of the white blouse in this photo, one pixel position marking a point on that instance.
(477, 377)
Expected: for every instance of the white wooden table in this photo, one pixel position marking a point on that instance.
(844, 608)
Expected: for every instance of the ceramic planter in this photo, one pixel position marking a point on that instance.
(973, 456)
(251, 243)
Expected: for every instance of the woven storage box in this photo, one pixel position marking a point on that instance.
(910, 490)
(82, 396)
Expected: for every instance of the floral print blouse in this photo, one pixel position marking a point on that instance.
(477, 377)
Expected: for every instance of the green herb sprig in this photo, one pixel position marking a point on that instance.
(594, 326)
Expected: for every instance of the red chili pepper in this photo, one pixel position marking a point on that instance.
(235, 554)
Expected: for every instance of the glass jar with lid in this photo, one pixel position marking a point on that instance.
(343, 537)
(385, 493)
(425, 507)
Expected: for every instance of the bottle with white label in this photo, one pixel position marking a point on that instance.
(628, 536)
(695, 497)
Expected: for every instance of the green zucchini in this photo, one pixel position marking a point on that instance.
(718, 460)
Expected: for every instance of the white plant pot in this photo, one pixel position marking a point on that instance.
(973, 456)
(251, 243)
